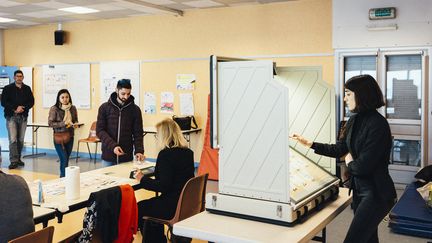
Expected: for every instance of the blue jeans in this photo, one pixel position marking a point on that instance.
(106, 163)
(16, 126)
(64, 152)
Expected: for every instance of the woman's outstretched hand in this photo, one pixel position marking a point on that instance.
(301, 140)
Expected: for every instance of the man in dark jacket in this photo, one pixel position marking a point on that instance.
(120, 126)
(17, 99)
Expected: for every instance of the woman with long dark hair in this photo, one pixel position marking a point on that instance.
(62, 118)
(366, 144)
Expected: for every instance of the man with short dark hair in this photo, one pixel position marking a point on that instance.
(120, 127)
(17, 99)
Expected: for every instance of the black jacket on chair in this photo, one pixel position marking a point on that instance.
(368, 139)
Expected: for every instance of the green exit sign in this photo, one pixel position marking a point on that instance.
(382, 13)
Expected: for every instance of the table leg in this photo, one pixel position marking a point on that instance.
(34, 145)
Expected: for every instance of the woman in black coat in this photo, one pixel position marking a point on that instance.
(366, 144)
(174, 167)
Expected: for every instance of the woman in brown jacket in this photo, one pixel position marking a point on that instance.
(62, 117)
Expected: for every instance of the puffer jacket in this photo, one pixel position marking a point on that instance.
(120, 125)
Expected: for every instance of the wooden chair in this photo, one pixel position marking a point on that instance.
(92, 138)
(44, 235)
(191, 202)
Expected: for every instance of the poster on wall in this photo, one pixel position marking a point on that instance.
(167, 102)
(185, 81)
(112, 72)
(186, 104)
(74, 77)
(149, 103)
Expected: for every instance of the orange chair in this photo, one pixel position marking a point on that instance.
(44, 235)
(191, 202)
(92, 138)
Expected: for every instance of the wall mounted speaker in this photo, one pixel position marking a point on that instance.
(59, 37)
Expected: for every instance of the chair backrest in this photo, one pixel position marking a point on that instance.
(192, 198)
(44, 235)
(92, 132)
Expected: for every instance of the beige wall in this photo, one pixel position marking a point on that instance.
(297, 27)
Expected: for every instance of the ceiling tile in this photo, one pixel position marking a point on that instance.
(137, 7)
(22, 9)
(46, 14)
(203, 4)
(23, 22)
(105, 7)
(179, 6)
(53, 5)
(159, 2)
(5, 3)
(85, 2)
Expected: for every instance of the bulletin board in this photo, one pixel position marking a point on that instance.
(74, 77)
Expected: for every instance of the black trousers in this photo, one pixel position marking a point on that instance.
(157, 207)
(369, 211)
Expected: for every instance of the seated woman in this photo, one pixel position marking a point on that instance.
(174, 167)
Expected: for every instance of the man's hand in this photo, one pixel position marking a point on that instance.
(118, 151)
(139, 157)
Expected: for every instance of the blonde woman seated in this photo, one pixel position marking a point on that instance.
(174, 167)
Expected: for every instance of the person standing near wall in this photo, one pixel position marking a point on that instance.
(366, 144)
(63, 117)
(120, 127)
(17, 99)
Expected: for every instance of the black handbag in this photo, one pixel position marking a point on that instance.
(185, 122)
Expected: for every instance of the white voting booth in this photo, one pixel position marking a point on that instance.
(260, 176)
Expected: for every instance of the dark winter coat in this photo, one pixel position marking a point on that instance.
(12, 97)
(368, 140)
(120, 125)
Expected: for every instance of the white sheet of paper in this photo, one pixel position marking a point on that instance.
(186, 104)
(149, 103)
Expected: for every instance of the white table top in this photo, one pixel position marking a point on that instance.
(40, 212)
(114, 175)
(217, 228)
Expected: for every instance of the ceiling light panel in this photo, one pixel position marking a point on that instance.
(79, 10)
(6, 20)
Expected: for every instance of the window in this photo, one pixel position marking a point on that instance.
(403, 87)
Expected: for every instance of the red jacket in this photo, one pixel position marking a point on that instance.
(128, 219)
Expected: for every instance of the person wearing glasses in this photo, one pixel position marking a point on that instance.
(174, 167)
(120, 127)
(17, 99)
(366, 144)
